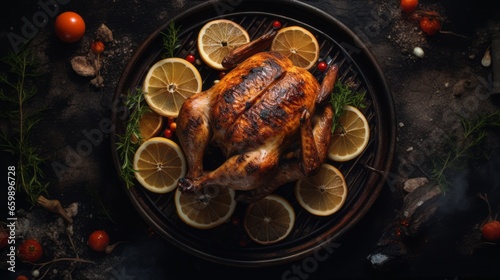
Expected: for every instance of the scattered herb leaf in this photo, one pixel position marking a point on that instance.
(460, 148)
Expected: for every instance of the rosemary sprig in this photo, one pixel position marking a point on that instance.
(128, 143)
(171, 40)
(342, 96)
(462, 148)
(19, 88)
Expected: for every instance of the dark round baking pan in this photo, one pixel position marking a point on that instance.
(365, 175)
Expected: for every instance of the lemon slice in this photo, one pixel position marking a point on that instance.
(150, 125)
(219, 37)
(323, 193)
(298, 44)
(269, 220)
(211, 208)
(168, 83)
(159, 164)
(351, 136)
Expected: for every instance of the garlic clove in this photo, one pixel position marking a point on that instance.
(486, 60)
(418, 52)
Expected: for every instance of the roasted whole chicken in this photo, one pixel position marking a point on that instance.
(271, 120)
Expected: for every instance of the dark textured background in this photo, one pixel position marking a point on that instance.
(422, 91)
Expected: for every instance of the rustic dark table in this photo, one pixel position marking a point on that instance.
(421, 88)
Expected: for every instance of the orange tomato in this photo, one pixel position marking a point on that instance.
(70, 27)
(408, 6)
(30, 250)
(98, 240)
(491, 231)
(430, 23)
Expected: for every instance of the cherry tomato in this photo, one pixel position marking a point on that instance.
(322, 66)
(408, 6)
(22, 277)
(4, 237)
(98, 240)
(430, 23)
(491, 231)
(191, 58)
(168, 133)
(173, 126)
(277, 24)
(30, 250)
(97, 47)
(70, 27)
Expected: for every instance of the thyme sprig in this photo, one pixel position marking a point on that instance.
(171, 40)
(461, 147)
(128, 142)
(19, 87)
(344, 95)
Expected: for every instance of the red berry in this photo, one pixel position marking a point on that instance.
(97, 47)
(491, 231)
(98, 240)
(191, 58)
(322, 66)
(168, 133)
(22, 277)
(276, 24)
(222, 74)
(173, 126)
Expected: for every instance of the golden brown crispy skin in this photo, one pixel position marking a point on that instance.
(261, 109)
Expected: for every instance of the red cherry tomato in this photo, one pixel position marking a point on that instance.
(322, 66)
(98, 240)
(277, 24)
(191, 58)
(168, 133)
(430, 23)
(97, 47)
(408, 6)
(70, 27)
(491, 231)
(30, 250)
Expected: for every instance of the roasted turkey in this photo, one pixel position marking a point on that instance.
(271, 120)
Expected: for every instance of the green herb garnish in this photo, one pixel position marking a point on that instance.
(171, 40)
(461, 147)
(128, 143)
(342, 96)
(19, 87)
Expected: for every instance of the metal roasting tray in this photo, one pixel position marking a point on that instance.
(365, 175)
